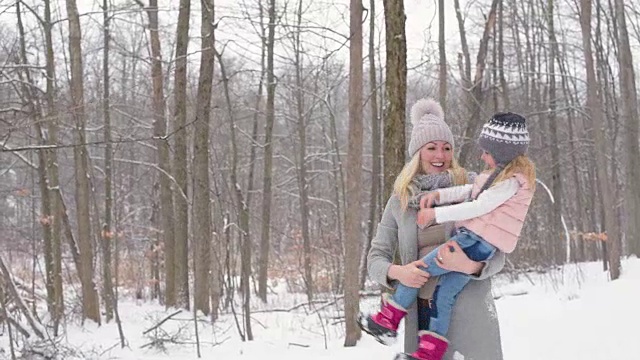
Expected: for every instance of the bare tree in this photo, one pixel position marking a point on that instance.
(301, 157)
(46, 216)
(242, 212)
(90, 306)
(162, 153)
(594, 107)
(395, 92)
(106, 234)
(442, 79)
(631, 130)
(52, 171)
(354, 178)
(268, 157)
(201, 201)
(375, 146)
(181, 260)
(475, 91)
(553, 126)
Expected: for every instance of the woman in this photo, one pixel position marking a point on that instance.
(474, 330)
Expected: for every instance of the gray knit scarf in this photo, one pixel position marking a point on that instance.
(424, 183)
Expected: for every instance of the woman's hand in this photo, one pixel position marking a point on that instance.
(426, 217)
(411, 274)
(451, 257)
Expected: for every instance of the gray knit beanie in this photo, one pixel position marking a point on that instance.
(505, 137)
(428, 123)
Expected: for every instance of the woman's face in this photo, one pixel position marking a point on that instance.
(436, 156)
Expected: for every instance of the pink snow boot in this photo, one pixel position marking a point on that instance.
(431, 347)
(384, 324)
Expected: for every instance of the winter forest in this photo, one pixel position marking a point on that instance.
(222, 160)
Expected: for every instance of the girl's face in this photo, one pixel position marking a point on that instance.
(488, 160)
(436, 156)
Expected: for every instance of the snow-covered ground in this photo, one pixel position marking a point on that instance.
(572, 313)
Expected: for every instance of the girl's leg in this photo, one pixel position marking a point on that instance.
(452, 283)
(424, 313)
(444, 297)
(404, 295)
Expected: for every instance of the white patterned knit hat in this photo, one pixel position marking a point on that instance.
(505, 137)
(428, 123)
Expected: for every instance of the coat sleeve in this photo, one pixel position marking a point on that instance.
(491, 266)
(384, 244)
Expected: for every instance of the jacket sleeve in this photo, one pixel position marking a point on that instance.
(491, 266)
(384, 244)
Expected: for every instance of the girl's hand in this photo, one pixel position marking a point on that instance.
(429, 199)
(426, 217)
(412, 275)
(451, 257)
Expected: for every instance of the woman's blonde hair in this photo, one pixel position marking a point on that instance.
(520, 165)
(413, 167)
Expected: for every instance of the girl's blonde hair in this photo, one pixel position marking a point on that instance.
(520, 165)
(413, 167)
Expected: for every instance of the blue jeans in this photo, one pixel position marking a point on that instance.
(450, 283)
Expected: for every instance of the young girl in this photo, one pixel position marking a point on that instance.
(489, 216)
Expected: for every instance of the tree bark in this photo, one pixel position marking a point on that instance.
(262, 268)
(181, 260)
(556, 177)
(107, 283)
(46, 216)
(395, 92)
(631, 128)
(594, 107)
(241, 210)
(201, 198)
(375, 146)
(268, 157)
(354, 178)
(52, 170)
(90, 306)
(442, 80)
(302, 157)
(163, 156)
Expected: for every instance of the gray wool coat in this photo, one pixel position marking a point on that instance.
(474, 330)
